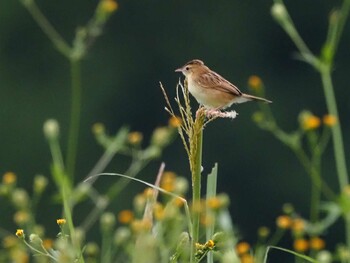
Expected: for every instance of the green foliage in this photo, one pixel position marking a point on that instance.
(161, 226)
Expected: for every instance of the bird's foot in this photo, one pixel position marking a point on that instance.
(215, 113)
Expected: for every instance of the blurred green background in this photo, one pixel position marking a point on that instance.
(142, 44)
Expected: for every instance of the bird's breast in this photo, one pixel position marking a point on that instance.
(210, 97)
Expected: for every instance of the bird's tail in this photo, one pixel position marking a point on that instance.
(251, 97)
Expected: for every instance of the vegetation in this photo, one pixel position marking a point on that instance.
(164, 224)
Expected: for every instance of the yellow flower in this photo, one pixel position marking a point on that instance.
(179, 202)
(148, 192)
(214, 202)
(298, 225)
(109, 6)
(242, 248)
(210, 244)
(98, 128)
(141, 225)
(255, 82)
(168, 181)
(329, 120)
(301, 245)
(311, 122)
(20, 233)
(61, 221)
(21, 217)
(247, 258)
(135, 138)
(48, 243)
(9, 178)
(125, 216)
(175, 122)
(207, 220)
(284, 222)
(317, 243)
(158, 210)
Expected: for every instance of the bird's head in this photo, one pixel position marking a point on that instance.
(191, 67)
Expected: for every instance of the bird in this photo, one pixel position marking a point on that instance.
(210, 89)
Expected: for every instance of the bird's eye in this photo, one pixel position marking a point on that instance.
(187, 68)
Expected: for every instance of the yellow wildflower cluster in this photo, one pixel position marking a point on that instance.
(297, 225)
(202, 249)
(310, 121)
(302, 245)
(61, 221)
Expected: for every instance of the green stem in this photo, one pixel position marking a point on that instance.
(45, 253)
(196, 184)
(47, 28)
(341, 24)
(337, 137)
(315, 193)
(74, 118)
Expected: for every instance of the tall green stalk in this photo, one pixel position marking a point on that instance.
(196, 182)
(325, 71)
(75, 113)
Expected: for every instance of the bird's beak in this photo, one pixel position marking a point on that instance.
(179, 70)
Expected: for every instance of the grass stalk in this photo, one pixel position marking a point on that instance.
(196, 183)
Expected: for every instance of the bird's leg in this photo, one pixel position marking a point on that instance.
(213, 112)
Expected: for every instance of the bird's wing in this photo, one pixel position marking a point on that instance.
(211, 80)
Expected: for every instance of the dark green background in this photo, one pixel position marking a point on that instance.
(142, 44)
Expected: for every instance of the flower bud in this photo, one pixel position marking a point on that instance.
(40, 183)
(122, 235)
(92, 250)
(107, 221)
(20, 198)
(51, 129)
(279, 11)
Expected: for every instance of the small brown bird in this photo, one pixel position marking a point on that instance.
(212, 90)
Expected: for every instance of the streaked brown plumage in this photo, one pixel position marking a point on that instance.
(210, 89)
